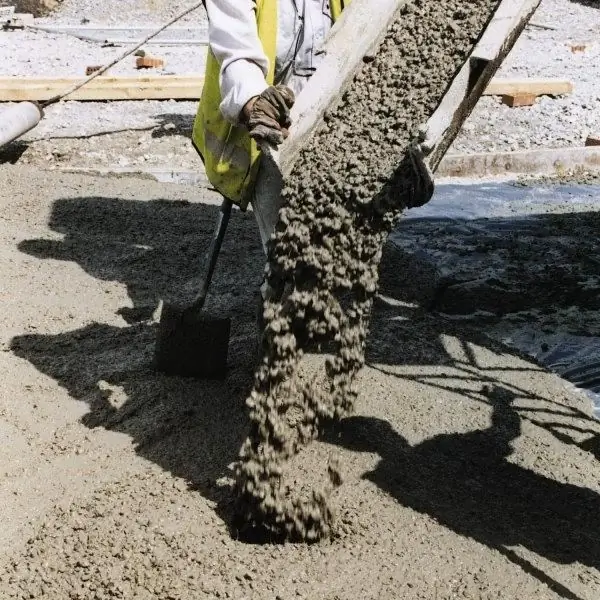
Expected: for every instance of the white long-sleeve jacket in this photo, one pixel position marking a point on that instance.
(233, 38)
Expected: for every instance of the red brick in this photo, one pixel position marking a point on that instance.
(519, 100)
(149, 62)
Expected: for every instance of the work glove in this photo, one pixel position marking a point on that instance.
(422, 183)
(411, 185)
(267, 117)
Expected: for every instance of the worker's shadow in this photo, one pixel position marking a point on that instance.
(156, 249)
(527, 266)
(470, 482)
(192, 428)
(467, 482)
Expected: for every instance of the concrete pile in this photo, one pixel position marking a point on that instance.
(342, 199)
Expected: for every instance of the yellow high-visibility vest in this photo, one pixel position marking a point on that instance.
(230, 156)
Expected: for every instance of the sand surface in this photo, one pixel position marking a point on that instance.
(469, 471)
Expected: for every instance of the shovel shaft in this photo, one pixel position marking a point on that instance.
(213, 253)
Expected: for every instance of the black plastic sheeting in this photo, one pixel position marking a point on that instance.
(523, 262)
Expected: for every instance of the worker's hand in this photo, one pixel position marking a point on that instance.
(267, 116)
(422, 183)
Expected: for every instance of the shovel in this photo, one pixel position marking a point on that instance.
(191, 343)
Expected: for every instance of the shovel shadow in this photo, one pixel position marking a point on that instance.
(191, 428)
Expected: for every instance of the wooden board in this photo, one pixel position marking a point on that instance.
(189, 87)
(537, 87)
(165, 87)
(540, 161)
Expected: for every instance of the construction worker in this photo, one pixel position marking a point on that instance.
(261, 54)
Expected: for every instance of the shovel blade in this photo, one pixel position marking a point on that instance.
(191, 344)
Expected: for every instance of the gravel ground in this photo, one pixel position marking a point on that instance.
(118, 12)
(68, 56)
(469, 472)
(552, 122)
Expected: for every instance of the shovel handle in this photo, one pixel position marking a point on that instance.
(213, 252)
(219, 234)
(269, 150)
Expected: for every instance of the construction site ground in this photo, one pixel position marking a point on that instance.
(153, 134)
(471, 470)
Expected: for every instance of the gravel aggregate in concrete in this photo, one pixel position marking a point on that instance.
(325, 256)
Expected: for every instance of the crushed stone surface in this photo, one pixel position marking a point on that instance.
(68, 56)
(119, 12)
(539, 53)
(469, 471)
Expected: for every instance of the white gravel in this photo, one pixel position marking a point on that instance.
(544, 54)
(72, 119)
(540, 53)
(118, 12)
(42, 54)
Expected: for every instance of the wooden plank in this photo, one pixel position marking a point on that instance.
(189, 87)
(537, 87)
(165, 87)
(539, 161)
(149, 62)
(579, 47)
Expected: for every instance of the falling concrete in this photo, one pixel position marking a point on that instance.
(343, 197)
